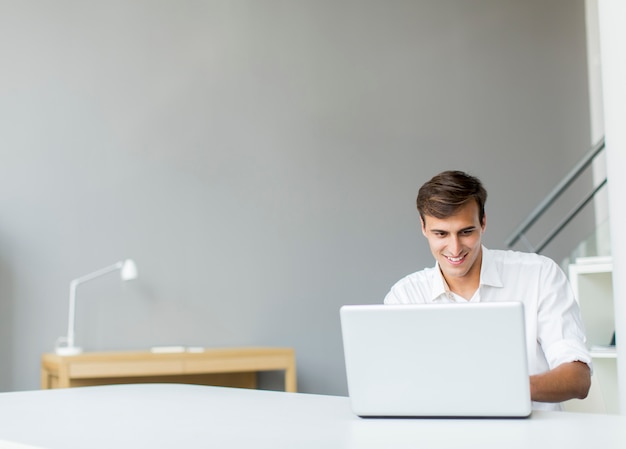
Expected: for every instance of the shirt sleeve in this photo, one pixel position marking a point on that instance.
(560, 330)
(394, 296)
(411, 289)
(399, 293)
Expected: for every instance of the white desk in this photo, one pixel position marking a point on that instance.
(191, 416)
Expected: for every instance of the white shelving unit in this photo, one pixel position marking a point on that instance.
(592, 281)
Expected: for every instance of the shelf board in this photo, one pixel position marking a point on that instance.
(603, 352)
(594, 260)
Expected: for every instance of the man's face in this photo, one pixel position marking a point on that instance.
(455, 242)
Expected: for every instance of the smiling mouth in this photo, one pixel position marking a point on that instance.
(455, 260)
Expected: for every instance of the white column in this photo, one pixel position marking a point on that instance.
(596, 115)
(612, 19)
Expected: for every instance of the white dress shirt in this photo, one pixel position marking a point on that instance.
(554, 329)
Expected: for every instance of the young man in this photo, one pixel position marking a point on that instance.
(452, 212)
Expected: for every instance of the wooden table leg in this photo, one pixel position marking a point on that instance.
(290, 378)
(45, 379)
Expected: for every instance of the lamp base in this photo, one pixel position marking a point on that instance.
(68, 350)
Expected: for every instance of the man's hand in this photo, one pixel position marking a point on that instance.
(566, 381)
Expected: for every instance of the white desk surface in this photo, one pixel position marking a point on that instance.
(190, 416)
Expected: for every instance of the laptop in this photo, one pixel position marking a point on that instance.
(444, 360)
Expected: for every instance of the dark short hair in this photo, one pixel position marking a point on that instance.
(449, 191)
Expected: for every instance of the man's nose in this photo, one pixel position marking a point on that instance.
(454, 245)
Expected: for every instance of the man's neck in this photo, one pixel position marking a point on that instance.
(463, 287)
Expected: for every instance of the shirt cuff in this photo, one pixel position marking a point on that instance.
(566, 351)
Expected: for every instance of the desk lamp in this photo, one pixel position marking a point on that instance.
(128, 271)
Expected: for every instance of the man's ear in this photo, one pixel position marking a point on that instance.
(423, 226)
(483, 225)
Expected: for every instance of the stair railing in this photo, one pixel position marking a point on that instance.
(520, 233)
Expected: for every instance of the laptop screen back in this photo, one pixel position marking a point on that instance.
(447, 360)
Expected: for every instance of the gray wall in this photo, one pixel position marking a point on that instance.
(259, 159)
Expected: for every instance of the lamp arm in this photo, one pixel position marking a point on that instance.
(73, 285)
(72, 314)
(98, 273)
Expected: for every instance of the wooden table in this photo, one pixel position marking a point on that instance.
(230, 367)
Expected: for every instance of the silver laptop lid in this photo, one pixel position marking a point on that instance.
(446, 360)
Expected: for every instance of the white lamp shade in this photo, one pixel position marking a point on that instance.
(129, 270)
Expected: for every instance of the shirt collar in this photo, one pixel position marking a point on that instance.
(439, 288)
(489, 275)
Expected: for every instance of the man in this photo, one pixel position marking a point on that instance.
(452, 212)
